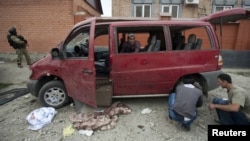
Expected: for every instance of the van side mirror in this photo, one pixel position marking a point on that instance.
(55, 53)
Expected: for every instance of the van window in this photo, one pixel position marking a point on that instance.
(78, 45)
(187, 38)
(149, 39)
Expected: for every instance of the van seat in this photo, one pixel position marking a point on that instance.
(102, 66)
(152, 43)
(198, 44)
(191, 42)
(157, 45)
(181, 43)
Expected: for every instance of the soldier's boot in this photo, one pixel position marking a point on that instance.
(20, 65)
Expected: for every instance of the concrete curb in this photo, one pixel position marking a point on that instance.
(11, 57)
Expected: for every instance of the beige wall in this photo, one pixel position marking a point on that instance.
(122, 8)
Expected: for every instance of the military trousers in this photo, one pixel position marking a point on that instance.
(20, 53)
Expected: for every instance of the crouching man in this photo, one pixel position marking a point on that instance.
(235, 110)
(183, 104)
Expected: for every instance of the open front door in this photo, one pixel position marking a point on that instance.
(77, 68)
(225, 16)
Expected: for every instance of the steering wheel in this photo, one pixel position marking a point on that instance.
(85, 49)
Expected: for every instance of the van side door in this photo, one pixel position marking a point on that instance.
(77, 67)
(142, 73)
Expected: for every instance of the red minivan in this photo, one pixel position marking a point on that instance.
(90, 67)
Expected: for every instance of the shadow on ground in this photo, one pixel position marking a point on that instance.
(10, 95)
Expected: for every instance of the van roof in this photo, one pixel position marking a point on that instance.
(122, 19)
(125, 20)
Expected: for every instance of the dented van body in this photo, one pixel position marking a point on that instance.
(89, 66)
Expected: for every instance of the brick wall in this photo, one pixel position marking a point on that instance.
(235, 36)
(43, 23)
(243, 36)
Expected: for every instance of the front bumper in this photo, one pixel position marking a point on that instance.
(31, 85)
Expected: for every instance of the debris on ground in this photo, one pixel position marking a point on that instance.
(39, 118)
(99, 120)
(86, 132)
(67, 131)
(146, 111)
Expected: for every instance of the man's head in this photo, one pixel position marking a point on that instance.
(12, 31)
(224, 79)
(131, 38)
(188, 80)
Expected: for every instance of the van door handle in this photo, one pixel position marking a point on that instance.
(87, 71)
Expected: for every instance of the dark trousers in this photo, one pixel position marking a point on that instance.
(175, 116)
(230, 118)
(20, 53)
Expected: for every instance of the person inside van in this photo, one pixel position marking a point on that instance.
(131, 45)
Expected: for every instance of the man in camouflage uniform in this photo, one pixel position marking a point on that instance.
(19, 44)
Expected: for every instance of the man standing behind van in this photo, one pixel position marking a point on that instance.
(183, 104)
(235, 110)
(19, 44)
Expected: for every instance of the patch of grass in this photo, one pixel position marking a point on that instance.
(4, 85)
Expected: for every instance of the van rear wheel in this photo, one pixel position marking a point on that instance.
(53, 94)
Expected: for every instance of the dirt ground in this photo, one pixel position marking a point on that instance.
(154, 126)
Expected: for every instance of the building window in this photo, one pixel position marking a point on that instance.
(221, 8)
(247, 7)
(246, 4)
(142, 10)
(171, 9)
(220, 5)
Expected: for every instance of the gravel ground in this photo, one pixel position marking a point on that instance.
(135, 126)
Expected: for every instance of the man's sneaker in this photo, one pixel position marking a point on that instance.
(185, 127)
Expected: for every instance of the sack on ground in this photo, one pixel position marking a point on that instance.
(39, 118)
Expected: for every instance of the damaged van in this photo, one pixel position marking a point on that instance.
(89, 65)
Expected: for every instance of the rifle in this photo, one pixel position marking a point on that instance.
(22, 38)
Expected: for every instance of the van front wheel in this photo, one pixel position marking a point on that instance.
(53, 94)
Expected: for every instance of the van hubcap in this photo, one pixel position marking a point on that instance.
(54, 96)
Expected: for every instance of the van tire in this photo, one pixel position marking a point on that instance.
(53, 91)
